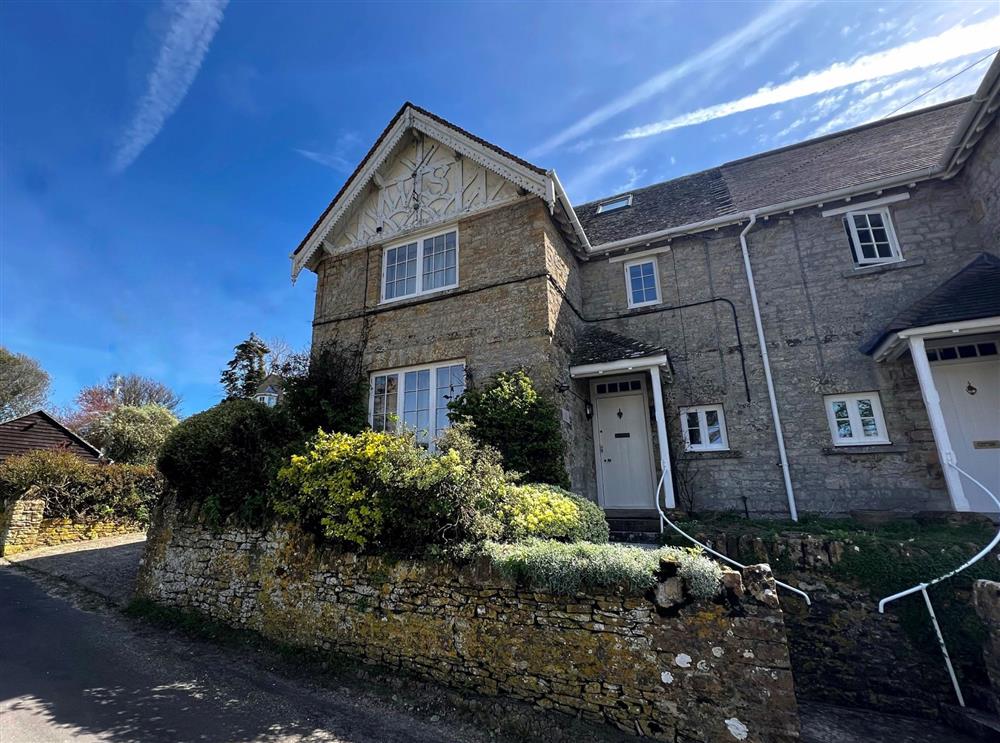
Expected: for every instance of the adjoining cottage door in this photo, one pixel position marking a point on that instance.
(970, 401)
(623, 443)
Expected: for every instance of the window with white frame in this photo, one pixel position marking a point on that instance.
(704, 428)
(425, 265)
(416, 399)
(642, 282)
(856, 419)
(267, 398)
(871, 237)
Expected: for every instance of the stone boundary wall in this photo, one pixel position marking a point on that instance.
(23, 527)
(843, 651)
(987, 600)
(661, 666)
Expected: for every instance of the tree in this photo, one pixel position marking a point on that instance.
(326, 389)
(247, 369)
(508, 414)
(24, 385)
(133, 434)
(134, 390)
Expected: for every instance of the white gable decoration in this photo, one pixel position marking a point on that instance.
(423, 173)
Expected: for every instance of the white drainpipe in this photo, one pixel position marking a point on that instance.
(792, 510)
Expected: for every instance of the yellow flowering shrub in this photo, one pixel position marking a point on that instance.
(383, 492)
(548, 512)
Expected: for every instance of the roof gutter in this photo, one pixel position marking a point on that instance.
(974, 121)
(765, 211)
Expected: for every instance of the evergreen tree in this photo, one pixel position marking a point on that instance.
(247, 369)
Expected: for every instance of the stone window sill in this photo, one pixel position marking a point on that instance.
(878, 449)
(871, 270)
(695, 456)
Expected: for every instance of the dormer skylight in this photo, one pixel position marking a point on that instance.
(620, 203)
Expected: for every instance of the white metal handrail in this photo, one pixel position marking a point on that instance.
(672, 525)
(922, 587)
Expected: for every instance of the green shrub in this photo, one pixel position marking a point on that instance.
(73, 488)
(383, 491)
(224, 459)
(572, 568)
(548, 512)
(133, 434)
(509, 415)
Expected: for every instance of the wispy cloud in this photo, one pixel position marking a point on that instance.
(778, 18)
(189, 34)
(959, 41)
(338, 158)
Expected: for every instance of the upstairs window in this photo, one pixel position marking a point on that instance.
(642, 282)
(416, 399)
(871, 237)
(856, 419)
(704, 428)
(426, 265)
(620, 203)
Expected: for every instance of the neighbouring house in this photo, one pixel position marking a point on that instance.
(39, 430)
(812, 329)
(269, 391)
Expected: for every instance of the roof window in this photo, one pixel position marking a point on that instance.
(620, 203)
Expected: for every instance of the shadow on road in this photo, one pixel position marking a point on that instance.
(69, 673)
(109, 570)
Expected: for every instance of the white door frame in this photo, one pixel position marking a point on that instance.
(647, 430)
(916, 338)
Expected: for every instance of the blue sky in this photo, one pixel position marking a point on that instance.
(160, 161)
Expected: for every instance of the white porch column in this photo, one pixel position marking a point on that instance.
(932, 401)
(661, 436)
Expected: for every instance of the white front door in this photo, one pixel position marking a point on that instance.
(970, 402)
(624, 457)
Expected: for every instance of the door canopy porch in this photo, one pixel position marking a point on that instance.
(968, 302)
(966, 431)
(600, 352)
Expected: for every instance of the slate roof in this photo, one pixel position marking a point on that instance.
(597, 346)
(896, 146)
(970, 294)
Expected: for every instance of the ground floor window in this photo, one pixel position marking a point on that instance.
(856, 419)
(704, 428)
(415, 398)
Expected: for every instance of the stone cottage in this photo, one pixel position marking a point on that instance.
(811, 329)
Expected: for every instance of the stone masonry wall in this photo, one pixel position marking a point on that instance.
(817, 310)
(981, 177)
(843, 651)
(672, 670)
(23, 528)
(987, 600)
(19, 525)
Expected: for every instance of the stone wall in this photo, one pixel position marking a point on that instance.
(843, 651)
(22, 527)
(670, 669)
(987, 600)
(19, 524)
(981, 177)
(817, 310)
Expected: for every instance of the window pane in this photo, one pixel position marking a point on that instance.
(948, 354)
(967, 352)
(439, 261)
(450, 383)
(843, 429)
(840, 409)
(987, 349)
(870, 427)
(693, 428)
(865, 408)
(875, 220)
